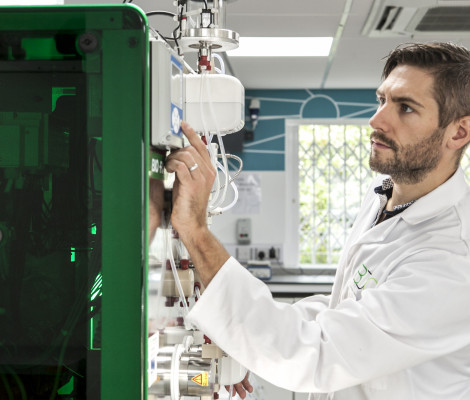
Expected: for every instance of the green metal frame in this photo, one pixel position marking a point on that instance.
(125, 216)
(124, 108)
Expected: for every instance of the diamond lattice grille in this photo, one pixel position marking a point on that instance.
(334, 175)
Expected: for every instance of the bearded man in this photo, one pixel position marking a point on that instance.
(397, 323)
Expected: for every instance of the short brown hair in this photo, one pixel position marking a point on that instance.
(450, 66)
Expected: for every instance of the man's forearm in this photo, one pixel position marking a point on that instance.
(195, 176)
(207, 253)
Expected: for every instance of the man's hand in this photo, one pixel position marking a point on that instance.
(194, 178)
(191, 190)
(242, 387)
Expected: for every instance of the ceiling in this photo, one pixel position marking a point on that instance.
(355, 60)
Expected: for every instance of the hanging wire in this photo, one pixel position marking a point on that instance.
(180, 18)
(160, 12)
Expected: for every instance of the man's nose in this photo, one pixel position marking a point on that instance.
(381, 119)
(375, 119)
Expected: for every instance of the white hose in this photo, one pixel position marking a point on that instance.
(213, 155)
(216, 192)
(221, 62)
(175, 273)
(220, 210)
(235, 198)
(201, 109)
(225, 170)
(216, 203)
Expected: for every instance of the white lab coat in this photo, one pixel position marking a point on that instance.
(396, 326)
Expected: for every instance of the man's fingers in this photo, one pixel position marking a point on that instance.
(185, 157)
(246, 384)
(238, 388)
(241, 388)
(194, 139)
(196, 156)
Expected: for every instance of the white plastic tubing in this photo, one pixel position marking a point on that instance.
(169, 252)
(220, 192)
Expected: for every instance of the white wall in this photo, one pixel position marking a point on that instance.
(268, 226)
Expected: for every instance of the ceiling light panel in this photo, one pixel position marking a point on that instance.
(283, 47)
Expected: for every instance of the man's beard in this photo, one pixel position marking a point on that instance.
(411, 163)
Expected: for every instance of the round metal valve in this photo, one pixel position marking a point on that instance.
(183, 373)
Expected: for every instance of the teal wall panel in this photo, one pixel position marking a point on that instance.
(266, 152)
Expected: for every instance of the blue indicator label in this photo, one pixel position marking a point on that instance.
(176, 118)
(176, 100)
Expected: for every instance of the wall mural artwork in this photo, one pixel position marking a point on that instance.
(266, 151)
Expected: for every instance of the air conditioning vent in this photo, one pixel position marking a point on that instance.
(393, 18)
(445, 19)
(389, 18)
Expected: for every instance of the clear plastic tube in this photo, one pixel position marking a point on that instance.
(240, 167)
(216, 192)
(198, 292)
(175, 273)
(214, 200)
(234, 201)
(221, 62)
(225, 170)
(220, 200)
(208, 138)
(201, 109)
(220, 210)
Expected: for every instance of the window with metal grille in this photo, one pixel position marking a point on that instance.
(333, 175)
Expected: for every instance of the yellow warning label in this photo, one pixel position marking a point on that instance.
(201, 379)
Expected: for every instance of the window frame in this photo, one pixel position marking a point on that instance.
(292, 215)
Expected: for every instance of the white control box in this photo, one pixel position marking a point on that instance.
(214, 103)
(166, 96)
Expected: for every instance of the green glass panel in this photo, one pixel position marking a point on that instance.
(74, 157)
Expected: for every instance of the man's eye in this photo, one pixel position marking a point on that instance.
(381, 100)
(406, 108)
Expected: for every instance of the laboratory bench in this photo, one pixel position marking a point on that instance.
(300, 283)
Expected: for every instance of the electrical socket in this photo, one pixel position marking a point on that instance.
(243, 253)
(269, 252)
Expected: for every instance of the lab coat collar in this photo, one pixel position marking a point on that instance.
(443, 197)
(379, 233)
(440, 199)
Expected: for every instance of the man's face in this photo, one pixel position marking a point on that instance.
(406, 142)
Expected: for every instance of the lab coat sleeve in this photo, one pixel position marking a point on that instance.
(312, 305)
(421, 312)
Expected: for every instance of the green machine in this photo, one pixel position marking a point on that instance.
(74, 151)
(94, 283)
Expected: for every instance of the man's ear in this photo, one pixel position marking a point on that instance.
(461, 136)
